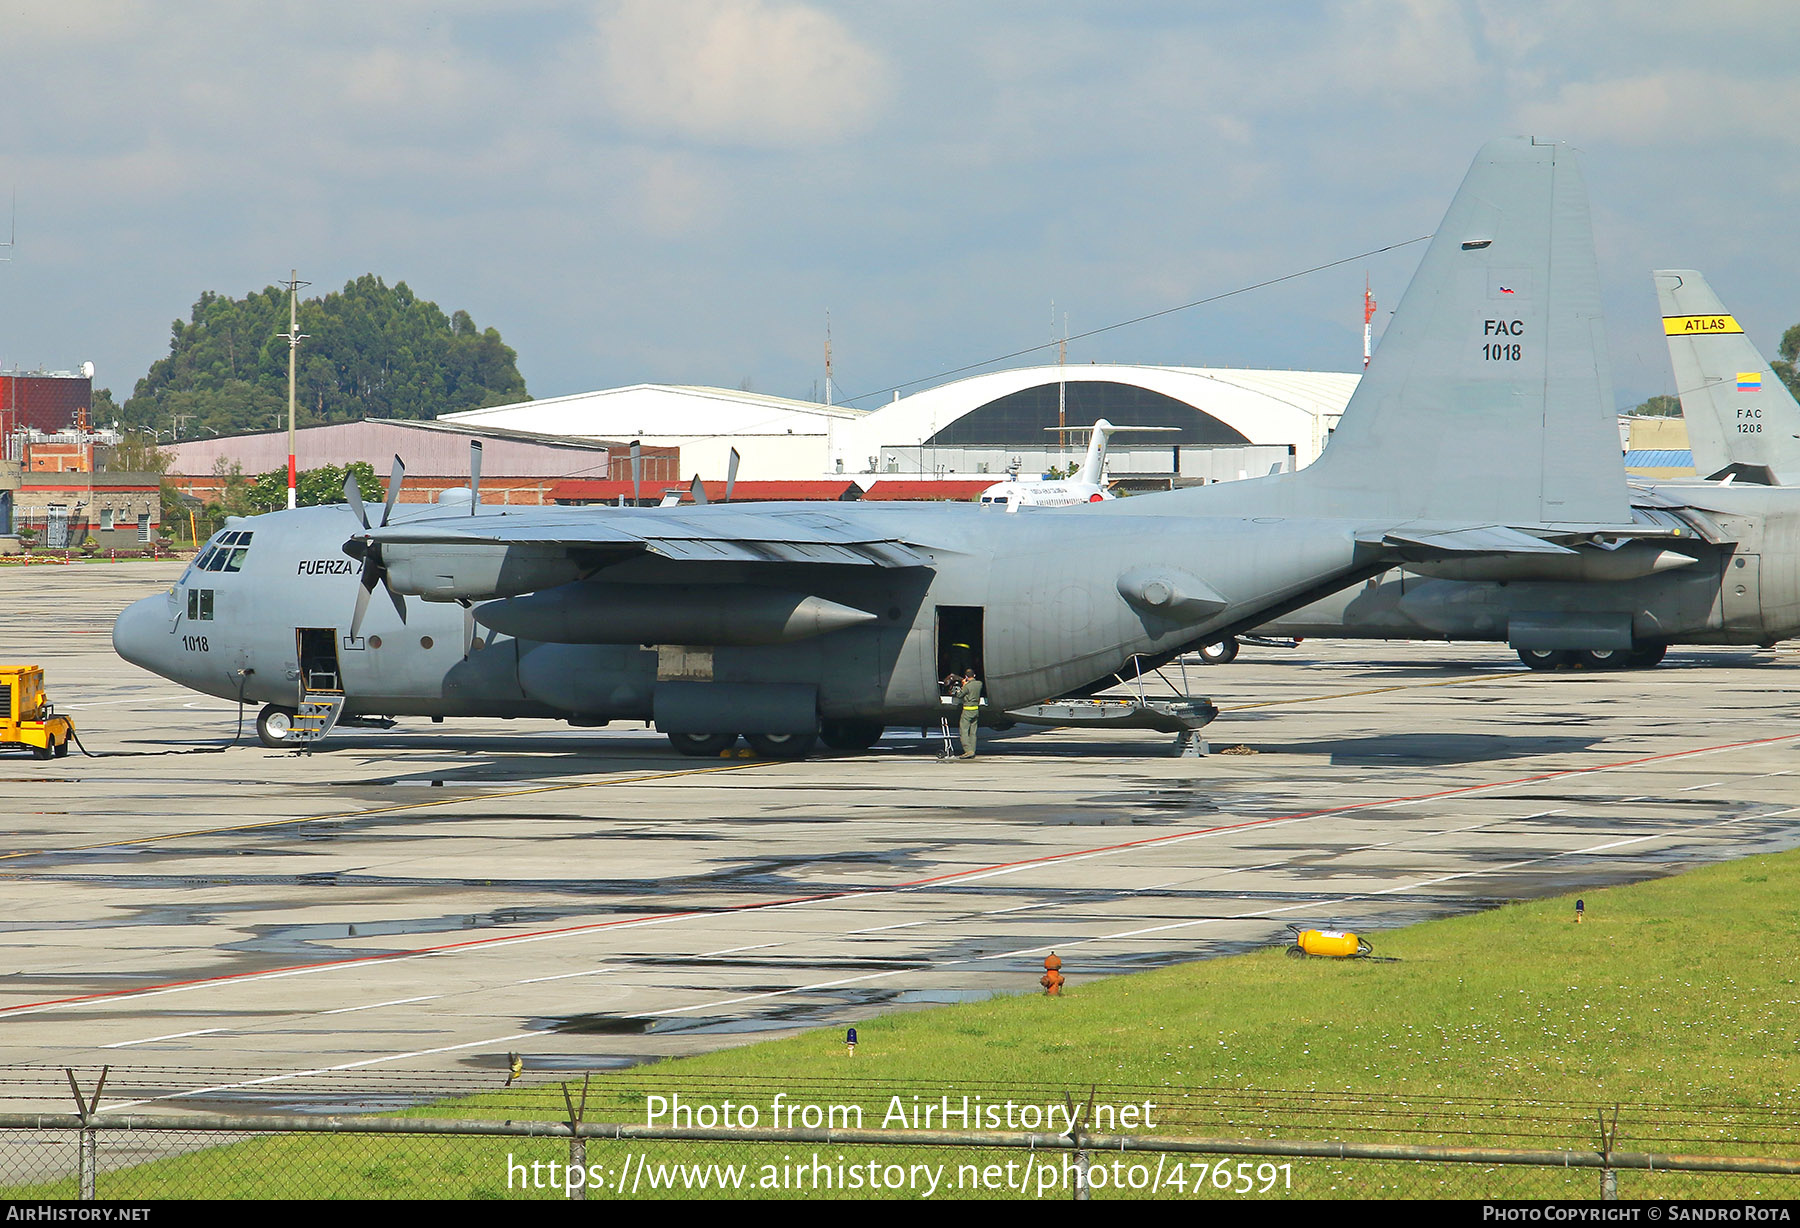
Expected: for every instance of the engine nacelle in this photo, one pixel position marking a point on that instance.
(722, 615)
(475, 571)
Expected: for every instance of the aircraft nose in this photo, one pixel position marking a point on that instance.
(141, 633)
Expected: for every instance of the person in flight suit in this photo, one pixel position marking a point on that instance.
(968, 698)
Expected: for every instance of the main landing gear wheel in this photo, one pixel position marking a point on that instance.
(1603, 658)
(1222, 653)
(850, 735)
(275, 726)
(1543, 658)
(1644, 658)
(702, 745)
(782, 745)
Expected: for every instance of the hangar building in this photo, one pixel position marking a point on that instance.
(778, 439)
(1223, 423)
(1215, 424)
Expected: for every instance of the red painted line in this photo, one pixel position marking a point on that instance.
(1404, 800)
(1047, 859)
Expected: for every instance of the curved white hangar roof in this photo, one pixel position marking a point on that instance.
(1016, 408)
(783, 439)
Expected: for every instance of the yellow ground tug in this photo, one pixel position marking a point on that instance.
(26, 718)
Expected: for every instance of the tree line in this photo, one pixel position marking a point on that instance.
(370, 351)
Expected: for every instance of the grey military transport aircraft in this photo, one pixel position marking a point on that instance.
(1482, 431)
(1733, 576)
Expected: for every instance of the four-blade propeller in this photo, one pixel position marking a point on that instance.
(374, 571)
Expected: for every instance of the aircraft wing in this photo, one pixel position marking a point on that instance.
(476, 557)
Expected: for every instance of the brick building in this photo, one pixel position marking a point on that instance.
(120, 511)
(43, 401)
(48, 481)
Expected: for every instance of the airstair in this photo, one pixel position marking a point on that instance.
(321, 703)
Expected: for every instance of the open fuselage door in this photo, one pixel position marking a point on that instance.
(321, 683)
(959, 640)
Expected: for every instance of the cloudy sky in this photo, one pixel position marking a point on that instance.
(681, 190)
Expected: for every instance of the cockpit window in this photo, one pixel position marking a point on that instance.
(226, 551)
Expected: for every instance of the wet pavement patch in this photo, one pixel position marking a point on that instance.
(788, 1015)
(1440, 749)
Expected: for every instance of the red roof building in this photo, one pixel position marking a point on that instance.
(932, 490)
(612, 491)
(516, 469)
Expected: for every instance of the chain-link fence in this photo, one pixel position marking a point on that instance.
(134, 1158)
(637, 1136)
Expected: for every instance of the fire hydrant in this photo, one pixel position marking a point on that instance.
(1052, 980)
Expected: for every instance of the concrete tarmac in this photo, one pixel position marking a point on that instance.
(433, 897)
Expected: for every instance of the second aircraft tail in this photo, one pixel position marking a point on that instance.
(1741, 421)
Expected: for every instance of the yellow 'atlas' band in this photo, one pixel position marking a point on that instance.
(1698, 326)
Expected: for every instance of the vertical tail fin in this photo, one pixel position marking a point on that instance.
(1740, 418)
(1096, 454)
(1490, 397)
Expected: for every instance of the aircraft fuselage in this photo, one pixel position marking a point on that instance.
(1041, 603)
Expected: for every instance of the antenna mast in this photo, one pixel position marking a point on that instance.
(293, 336)
(830, 443)
(1062, 398)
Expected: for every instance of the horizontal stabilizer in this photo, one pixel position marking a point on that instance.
(1481, 539)
(1750, 475)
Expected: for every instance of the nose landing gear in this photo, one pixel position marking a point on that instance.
(275, 727)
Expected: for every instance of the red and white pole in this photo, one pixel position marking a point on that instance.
(294, 338)
(1368, 315)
